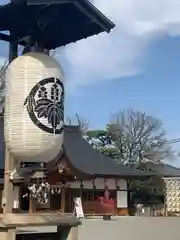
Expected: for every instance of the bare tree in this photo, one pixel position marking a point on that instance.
(138, 137)
(132, 137)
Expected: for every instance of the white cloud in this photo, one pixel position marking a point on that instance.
(4, 2)
(119, 53)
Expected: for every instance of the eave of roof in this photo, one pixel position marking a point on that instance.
(161, 169)
(52, 24)
(83, 157)
(88, 160)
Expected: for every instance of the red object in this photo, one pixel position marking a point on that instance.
(110, 203)
(105, 201)
(106, 193)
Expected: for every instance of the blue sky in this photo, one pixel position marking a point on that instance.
(156, 90)
(135, 66)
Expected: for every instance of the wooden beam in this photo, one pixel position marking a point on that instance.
(8, 186)
(40, 2)
(5, 37)
(63, 199)
(31, 204)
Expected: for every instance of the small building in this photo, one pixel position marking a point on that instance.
(152, 192)
(80, 171)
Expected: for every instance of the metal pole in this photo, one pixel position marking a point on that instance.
(9, 161)
(13, 50)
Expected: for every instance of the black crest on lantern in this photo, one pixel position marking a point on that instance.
(45, 105)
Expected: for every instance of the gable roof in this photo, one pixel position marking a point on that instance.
(52, 23)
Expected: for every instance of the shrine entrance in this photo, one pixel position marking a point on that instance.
(24, 198)
(59, 201)
(62, 201)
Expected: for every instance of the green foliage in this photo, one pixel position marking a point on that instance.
(100, 139)
(96, 133)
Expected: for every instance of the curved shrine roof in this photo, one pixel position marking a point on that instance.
(88, 160)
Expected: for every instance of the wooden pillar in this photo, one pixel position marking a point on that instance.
(8, 186)
(9, 161)
(1, 198)
(16, 199)
(94, 187)
(81, 189)
(70, 200)
(116, 197)
(129, 196)
(32, 205)
(63, 199)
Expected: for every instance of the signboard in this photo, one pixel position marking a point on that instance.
(33, 164)
(122, 199)
(78, 207)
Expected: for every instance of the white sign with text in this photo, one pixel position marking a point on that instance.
(78, 207)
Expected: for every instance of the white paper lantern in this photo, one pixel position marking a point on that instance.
(34, 108)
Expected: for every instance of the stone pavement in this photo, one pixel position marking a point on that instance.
(125, 228)
(131, 228)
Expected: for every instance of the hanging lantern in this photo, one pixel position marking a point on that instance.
(34, 108)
